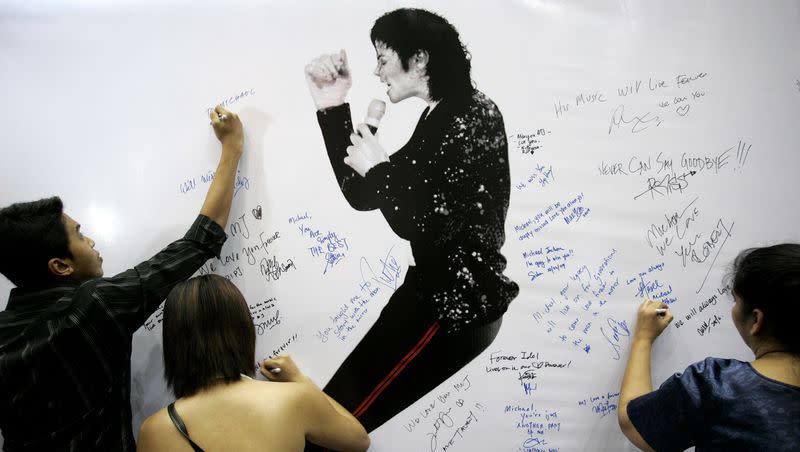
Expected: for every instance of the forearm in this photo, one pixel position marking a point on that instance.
(133, 295)
(217, 205)
(636, 382)
(360, 439)
(336, 406)
(357, 437)
(342, 410)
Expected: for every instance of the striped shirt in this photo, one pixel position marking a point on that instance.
(65, 349)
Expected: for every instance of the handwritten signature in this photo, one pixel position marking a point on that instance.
(269, 323)
(442, 420)
(241, 182)
(530, 443)
(666, 185)
(388, 276)
(273, 270)
(688, 252)
(618, 331)
(604, 408)
(640, 123)
(336, 248)
(707, 325)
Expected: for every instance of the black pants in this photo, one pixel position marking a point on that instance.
(403, 356)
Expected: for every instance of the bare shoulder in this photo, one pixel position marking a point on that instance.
(156, 432)
(155, 423)
(284, 392)
(272, 396)
(286, 405)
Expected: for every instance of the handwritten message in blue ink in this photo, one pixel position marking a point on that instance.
(350, 313)
(191, 183)
(328, 246)
(536, 424)
(525, 366)
(541, 176)
(571, 211)
(547, 259)
(601, 404)
(572, 315)
(647, 285)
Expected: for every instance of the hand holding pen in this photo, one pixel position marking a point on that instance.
(228, 128)
(652, 319)
(281, 368)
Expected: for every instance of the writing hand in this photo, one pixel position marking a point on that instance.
(288, 369)
(228, 129)
(652, 319)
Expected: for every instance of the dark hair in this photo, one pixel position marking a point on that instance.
(408, 30)
(769, 279)
(209, 335)
(32, 233)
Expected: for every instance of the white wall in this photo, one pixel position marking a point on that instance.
(105, 105)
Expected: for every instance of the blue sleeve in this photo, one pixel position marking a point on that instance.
(671, 417)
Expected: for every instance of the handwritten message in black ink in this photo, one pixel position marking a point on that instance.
(703, 321)
(581, 100)
(529, 142)
(448, 417)
(525, 366)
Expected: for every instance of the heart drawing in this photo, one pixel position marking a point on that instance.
(257, 212)
(682, 110)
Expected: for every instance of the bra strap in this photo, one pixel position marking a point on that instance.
(173, 415)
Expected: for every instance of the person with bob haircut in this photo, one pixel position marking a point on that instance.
(446, 191)
(209, 356)
(726, 404)
(65, 335)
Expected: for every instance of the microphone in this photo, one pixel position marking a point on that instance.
(375, 111)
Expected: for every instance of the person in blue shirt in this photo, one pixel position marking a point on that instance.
(726, 404)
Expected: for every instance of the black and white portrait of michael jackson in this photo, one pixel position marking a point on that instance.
(446, 191)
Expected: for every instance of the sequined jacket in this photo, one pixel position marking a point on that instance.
(447, 192)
